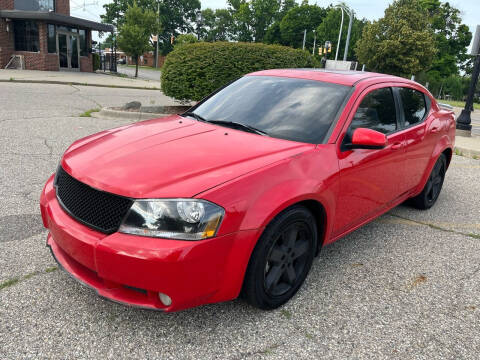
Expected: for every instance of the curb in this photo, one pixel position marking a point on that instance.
(107, 113)
(77, 83)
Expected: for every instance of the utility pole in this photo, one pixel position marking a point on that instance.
(158, 36)
(314, 42)
(304, 38)
(351, 14)
(464, 121)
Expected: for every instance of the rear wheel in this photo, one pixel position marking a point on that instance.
(281, 259)
(429, 195)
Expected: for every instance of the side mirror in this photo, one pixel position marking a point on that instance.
(367, 139)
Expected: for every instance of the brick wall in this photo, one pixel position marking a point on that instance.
(6, 4)
(6, 43)
(61, 6)
(41, 60)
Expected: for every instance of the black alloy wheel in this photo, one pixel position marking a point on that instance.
(281, 259)
(430, 193)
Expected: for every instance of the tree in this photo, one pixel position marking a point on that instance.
(135, 32)
(300, 18)
(330, 27)
(185, 39)
(400, 43)
(217, 25)
(176, 16)
(451, 37)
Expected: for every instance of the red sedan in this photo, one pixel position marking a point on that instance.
(240, 193)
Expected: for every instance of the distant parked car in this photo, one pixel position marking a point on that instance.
(122, 61)
(240, 193)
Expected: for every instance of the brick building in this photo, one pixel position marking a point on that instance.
(41, 35)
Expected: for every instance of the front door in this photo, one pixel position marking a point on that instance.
(370, 179)
(68, 51)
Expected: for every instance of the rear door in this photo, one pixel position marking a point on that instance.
(419, 138)
(370, 179)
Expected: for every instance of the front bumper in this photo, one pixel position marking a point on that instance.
(133, 270)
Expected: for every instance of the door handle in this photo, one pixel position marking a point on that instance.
(396, 146)
(434, 130)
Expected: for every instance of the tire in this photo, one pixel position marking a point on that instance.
(429, 195)
(281, 259)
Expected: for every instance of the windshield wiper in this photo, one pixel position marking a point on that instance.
(239, 126)
(232, 124)
(195, 116)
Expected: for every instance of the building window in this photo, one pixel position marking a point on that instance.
(26, 36)
(51, 39)
(83, 42)
(35, 5)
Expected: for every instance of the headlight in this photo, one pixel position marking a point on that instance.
(182, 219)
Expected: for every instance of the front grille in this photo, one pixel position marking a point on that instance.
(97, 209)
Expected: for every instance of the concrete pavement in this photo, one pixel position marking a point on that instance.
(77, 78)
(403, 287)
(143, 72)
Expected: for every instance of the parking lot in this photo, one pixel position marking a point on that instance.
(406, 286)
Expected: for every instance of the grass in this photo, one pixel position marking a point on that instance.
(460, 104)
(88, 113)
(8, 283)
(285, 313)
(16, 280)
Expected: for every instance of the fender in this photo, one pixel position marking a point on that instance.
(270, 191)
(443, 144)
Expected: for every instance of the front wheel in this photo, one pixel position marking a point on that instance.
(429, 195)
(281, 259)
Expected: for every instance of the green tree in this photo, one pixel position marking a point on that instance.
(330, 27)
(176, 16)
(451, 38)
(217, 25)
(185, 39)
(135, 32)
(300, 18)
(400, 43)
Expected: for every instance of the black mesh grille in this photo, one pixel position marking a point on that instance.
(97, 209)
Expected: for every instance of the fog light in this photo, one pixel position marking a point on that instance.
(165, 299)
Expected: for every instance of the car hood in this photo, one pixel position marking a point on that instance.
(171, 157)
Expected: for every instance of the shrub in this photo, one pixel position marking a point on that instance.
(193, 71)
(96, 61)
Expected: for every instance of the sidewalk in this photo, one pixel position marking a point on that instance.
(77, 78)
(469, 146)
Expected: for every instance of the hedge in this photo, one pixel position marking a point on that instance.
(192, 71)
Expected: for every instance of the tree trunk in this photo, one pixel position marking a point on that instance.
(136, 66)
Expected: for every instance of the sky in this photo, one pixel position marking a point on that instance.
(369, 9)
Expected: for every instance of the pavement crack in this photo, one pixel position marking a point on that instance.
(17, 280)
(79, 93)
(436, 227)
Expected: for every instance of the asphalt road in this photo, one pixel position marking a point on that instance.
(143, 73)
(406, 286)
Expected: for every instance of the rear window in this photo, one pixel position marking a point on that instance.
(285, 108)
(414, 106)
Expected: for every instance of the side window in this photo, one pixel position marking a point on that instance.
(414, 106)
(376, 112)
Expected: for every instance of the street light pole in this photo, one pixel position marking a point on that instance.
(351, 14)
(314, 42)
(339, 35)
(304, 38)
(464, 120)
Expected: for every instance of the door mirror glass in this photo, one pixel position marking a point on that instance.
(363, 138)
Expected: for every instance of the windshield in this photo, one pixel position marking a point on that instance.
(285, 108)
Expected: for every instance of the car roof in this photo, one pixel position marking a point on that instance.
(342, 77)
